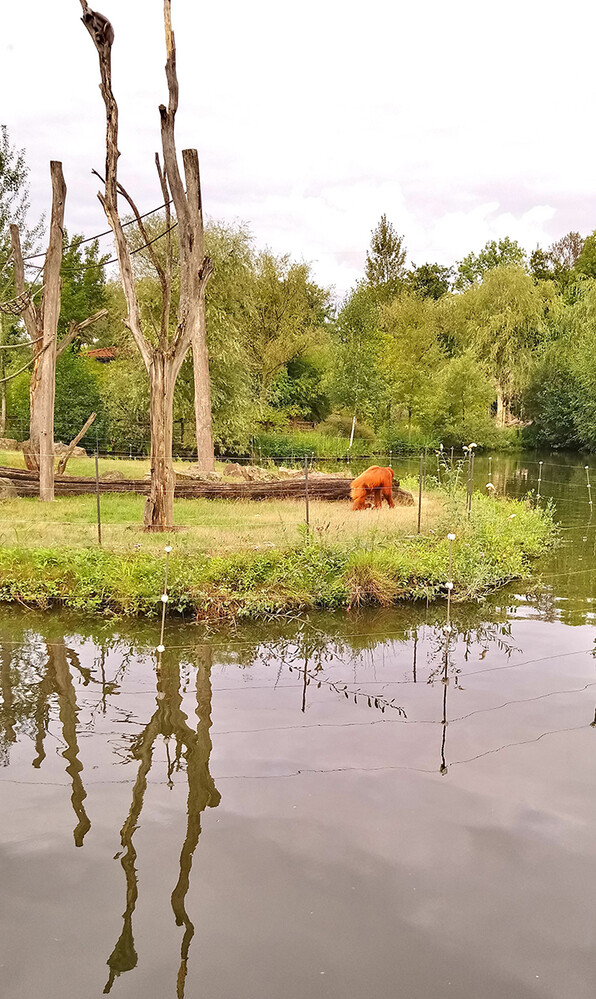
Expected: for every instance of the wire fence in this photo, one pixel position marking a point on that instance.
(107, 492)
(183, 450)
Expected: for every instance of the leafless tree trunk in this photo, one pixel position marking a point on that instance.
(163, 360)
(42, 327)
(159, 507)
(502, 408)
(2, 398)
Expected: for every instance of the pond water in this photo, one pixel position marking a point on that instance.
(341, 806)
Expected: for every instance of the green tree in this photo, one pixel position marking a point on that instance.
(503, 320)
(124, 390)
(385, 268)
(77, 396)
(552, 400)
(14, 209)
(561, 396)
(300, 389)
(412, 353)
(430, 280)
(287, 313)
(458, 410)
(14, 199)
(502, 253)
(586, 261)
(357, 378)
(541, 265)
(228, 308)
(83, 283)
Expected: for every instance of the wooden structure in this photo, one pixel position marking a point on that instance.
(319, 487)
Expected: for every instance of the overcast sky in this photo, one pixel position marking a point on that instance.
(462, 121)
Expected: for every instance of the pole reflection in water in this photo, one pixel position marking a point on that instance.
(8, 735)
(170, 722)
(445, 681)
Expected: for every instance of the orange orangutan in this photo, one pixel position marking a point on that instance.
(376, 483)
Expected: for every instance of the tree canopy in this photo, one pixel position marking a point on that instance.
(385, 267)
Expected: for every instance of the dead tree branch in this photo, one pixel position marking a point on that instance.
(30, 313)
(109, 199)
(64, 459)
(75, 328)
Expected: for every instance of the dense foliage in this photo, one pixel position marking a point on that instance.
(498, 347)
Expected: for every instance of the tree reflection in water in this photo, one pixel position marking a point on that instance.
(38, 689)
(28, 682)
(194, 747)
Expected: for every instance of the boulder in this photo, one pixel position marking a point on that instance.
(289, 473)
(197, 474)
(8, 444)
(7, 489)
(233, 470)
(59, 449)
(114, 475)
(252, 473)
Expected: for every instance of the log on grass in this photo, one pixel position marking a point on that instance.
(321, 487)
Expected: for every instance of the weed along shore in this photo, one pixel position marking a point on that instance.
(236, 559)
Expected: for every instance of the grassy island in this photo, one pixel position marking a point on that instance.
(240, 559)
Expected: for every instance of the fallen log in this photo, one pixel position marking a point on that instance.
(323, 488)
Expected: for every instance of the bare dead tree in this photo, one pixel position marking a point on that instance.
(42, 326)
(164, 351)
(41, 323)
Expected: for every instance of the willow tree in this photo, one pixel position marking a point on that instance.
(162, 350)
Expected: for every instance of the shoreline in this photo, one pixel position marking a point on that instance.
(495, 546)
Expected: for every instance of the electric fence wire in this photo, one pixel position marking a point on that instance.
(107, 232)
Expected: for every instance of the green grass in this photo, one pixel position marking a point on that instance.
(241, 559)
(131, 468)
(210, 526)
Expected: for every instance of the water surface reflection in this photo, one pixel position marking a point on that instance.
(378, 801)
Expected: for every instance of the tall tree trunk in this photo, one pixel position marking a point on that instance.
(501, 408)
(42, 326)
(42, 390)
(2, 398)
(202, 386)
(163, 361)
(159, 507)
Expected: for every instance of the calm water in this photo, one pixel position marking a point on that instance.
(341, 807)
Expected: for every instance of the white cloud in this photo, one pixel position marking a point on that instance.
(463, 122)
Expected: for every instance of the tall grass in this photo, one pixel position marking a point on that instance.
(378, 560)
(204, 525)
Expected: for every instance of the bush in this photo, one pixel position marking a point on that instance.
(340, 425)
(401, 439)
(300, 443)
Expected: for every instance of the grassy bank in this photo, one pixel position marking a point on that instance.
(245, 559)
(211, 527)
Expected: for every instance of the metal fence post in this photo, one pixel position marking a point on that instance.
(97, 496)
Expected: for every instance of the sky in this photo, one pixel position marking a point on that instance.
(461, 121)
